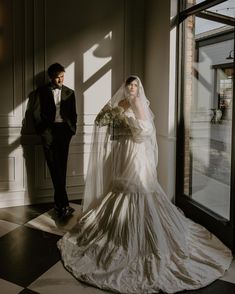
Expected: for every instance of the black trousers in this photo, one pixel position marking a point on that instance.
(55, 141)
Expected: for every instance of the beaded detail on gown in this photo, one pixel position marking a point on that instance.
(135, 240)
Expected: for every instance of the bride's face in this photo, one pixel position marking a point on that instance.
(132, 88)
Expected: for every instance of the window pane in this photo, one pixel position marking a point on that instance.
(208, 84)
(225, 8)
(174, 4)
(204, 25)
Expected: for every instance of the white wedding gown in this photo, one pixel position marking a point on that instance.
(135, 240)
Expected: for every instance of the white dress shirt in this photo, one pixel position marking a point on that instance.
(57, 98)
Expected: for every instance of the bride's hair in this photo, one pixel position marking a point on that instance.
(130, 79)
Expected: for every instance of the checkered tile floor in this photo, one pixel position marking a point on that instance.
(30, 261)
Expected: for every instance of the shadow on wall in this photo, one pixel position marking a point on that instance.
(93, 43)
(96, 90)
(29, 139)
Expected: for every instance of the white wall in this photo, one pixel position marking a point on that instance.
(99, 48)
(91, 39)
(159, 81)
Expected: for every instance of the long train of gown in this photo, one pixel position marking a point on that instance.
(136, 241)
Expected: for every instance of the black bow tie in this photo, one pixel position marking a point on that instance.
(53, 87)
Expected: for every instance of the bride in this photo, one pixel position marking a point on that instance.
(131, 238)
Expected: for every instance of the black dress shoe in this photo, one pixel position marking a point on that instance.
(58, 211)
(66, 212)
(63, 212)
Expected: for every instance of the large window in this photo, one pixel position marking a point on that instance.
(206, 107)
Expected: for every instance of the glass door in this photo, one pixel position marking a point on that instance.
(205, 163)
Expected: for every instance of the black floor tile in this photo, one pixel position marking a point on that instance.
(22, 214)
(78, 201)
(26, 254)
(218, 287)
(28, 291)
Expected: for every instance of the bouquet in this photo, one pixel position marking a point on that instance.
(112, 117)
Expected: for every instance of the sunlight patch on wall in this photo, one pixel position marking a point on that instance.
(69, 76)
(97, 56)
(98, 94)
(15, 110)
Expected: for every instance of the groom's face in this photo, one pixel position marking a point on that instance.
(58, 79)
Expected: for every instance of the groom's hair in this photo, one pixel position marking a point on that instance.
(54, 69)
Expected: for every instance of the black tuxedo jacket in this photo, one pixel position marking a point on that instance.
(45, 110)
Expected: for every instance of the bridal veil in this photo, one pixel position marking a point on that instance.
(101, 173)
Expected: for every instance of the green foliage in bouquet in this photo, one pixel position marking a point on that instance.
(112, 117)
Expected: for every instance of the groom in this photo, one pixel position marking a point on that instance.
(55, 121)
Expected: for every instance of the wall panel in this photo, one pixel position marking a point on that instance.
(92, 45)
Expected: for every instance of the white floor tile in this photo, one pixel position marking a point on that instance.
(6, 227)
(48, 221)
(230, 274)
(9, 288)
(58, 280)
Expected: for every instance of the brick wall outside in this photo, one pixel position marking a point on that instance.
(189, 58)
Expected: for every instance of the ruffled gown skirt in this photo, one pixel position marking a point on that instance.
(136, 241)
